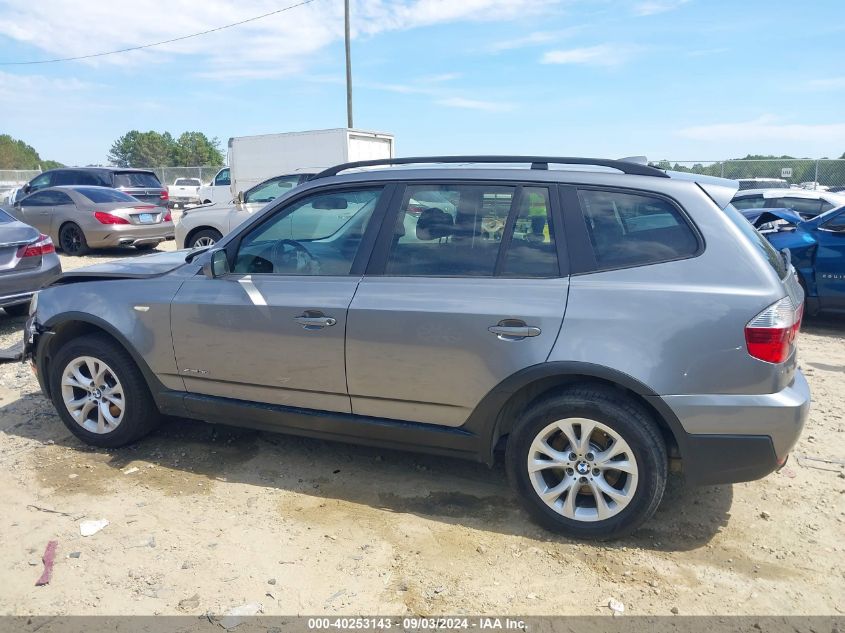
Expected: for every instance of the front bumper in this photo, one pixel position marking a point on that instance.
(732, 438)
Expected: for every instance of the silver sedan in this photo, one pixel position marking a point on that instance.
(79, 218)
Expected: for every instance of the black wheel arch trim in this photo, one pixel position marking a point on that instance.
(486, 421)
(56, 322)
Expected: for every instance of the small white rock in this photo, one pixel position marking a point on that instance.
(617, 607)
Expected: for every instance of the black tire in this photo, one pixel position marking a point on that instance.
(72, 239)
(625, 417)
(17, 310)
(140, 412)
(212, 234)
(146, 247)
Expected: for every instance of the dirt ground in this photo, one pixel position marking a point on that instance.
(204, 518)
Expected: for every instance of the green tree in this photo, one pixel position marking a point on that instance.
(195, 148)
(142, 149)
(15, 154)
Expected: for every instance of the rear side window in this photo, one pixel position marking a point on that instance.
(800, 205)
(449, 230)
(136, 179)
(632, 230)
(532, 251)
(72, 177)
(104, 195)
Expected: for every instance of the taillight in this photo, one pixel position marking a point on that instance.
(771, 335)
(107, 218)
(165, 194)
(168, 217)
(42, 246)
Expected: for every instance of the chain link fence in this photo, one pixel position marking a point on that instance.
(17, 177)
(806, 173)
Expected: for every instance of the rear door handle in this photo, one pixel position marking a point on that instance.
(315, 321)
(514, 332)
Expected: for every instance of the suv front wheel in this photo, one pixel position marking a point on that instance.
(588, 462)
(100, 393)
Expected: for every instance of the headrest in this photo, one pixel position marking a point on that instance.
(433, 224)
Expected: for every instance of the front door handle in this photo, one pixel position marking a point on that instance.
(315, 320)
(513, 330)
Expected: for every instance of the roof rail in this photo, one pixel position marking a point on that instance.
(537, 162)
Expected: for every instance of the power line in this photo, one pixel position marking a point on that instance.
(175, 39)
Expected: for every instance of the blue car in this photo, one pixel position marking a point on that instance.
(817, 248)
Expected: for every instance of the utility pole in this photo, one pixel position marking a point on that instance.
(348, 69)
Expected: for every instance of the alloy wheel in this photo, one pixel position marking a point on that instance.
(93, 395)
(582, 469)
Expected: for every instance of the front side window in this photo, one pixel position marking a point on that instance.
(38, 199)
(449, 230)
(222, 178)
(632, 230)
(41, 181)
(271, 189)
(837, 224)
(317, 235)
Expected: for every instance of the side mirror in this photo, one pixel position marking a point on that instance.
(241, 197)
(217, 265)
(27, 188)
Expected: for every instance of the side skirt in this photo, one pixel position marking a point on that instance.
(340, 427)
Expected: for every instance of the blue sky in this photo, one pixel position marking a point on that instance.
(694, 79)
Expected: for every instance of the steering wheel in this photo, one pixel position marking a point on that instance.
(302, 258)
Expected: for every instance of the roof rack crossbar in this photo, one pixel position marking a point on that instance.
(537, 162)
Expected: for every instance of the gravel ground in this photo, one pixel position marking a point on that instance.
(205, 518)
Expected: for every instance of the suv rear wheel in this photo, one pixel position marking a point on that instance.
(100, 393)
(588, 462)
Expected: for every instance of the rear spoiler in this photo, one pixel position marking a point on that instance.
(720, 190)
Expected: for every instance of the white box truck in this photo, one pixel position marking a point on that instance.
(253, 159)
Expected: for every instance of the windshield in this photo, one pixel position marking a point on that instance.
(103, 195)
(769, 252)
(136, 179)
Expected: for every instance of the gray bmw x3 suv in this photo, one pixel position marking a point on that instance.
(619, 320)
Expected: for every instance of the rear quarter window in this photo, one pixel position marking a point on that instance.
(628, 229)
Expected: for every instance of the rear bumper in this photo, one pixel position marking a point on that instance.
(733, 438)
(130, 235)
(18, 287)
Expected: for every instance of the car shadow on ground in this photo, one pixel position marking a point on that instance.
(185, 454)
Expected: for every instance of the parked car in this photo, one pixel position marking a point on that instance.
(808, 203)
(219, 190)
(817, 250)
(762, 183)
(138, 183)
(80, 218)
(203, 226)
(28, 261)
(653, 327)
(184, 191)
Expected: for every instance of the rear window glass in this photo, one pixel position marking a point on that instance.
(187, 182)
(105, 195)
(5, 218)
(136, 179)
(769, 252)
(631, 229)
